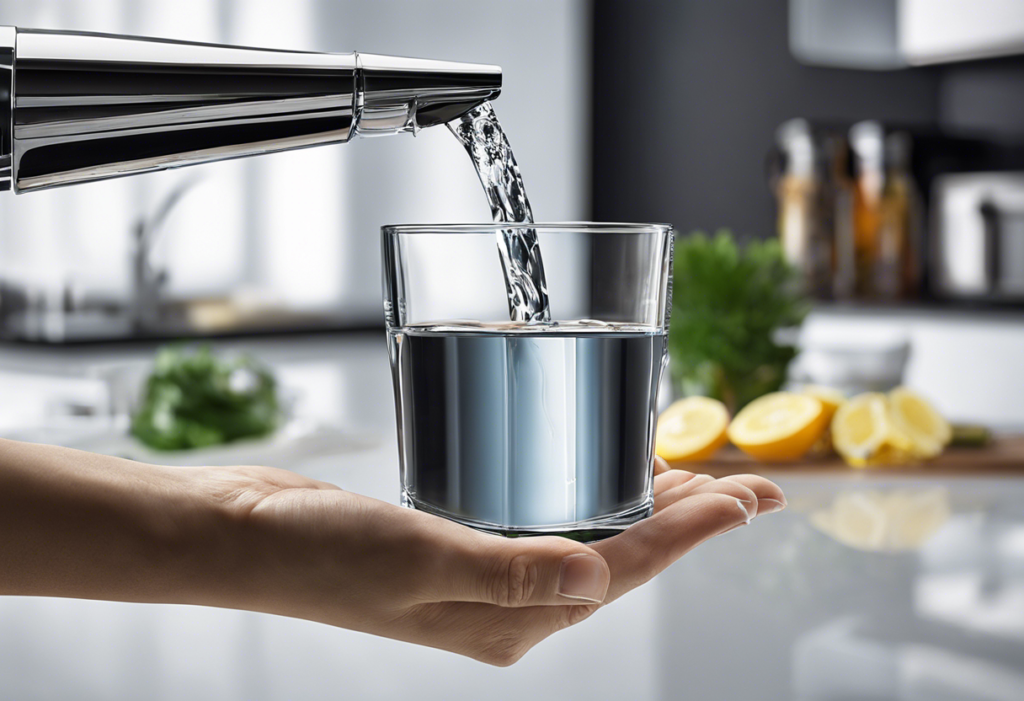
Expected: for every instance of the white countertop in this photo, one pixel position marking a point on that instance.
(778, 610)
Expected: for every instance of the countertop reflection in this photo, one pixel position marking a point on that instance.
(802, 612)
(866, 587)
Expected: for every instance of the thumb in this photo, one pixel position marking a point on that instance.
(542, 571)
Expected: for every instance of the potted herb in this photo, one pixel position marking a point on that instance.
(728, 307)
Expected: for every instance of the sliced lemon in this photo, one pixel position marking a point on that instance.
(831, 399)
(779, 426)
(917, 419)
(863, 433)
(692, 429)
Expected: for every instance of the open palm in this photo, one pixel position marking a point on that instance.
(344, 559)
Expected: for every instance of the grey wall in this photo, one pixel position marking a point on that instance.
(985, 97)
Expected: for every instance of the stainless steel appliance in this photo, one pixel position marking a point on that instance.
(978, 230)
(81, 107)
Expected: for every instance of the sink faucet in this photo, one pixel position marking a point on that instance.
(93, 106)
(147, 281)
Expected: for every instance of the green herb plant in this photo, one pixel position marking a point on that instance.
(728, 306)
(195, 400)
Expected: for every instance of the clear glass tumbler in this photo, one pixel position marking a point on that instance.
(528, 428)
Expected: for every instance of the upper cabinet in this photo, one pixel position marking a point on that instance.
(889, 34)
(937, 31)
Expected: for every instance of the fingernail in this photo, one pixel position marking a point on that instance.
(741, 523)
(770, 506)
(582, 578)
(749, 509)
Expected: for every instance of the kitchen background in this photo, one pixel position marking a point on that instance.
(736, 114)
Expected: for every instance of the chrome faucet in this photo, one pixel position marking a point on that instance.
(148, 281)
(78, 107)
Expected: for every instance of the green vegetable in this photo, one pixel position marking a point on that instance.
(728, 305)
(194, 400)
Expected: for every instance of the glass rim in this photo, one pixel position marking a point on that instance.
(549, 227)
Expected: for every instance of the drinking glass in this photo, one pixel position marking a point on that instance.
(520, 428)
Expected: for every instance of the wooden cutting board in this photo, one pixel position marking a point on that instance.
(1003, 456)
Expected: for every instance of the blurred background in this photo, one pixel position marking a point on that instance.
(879, 144)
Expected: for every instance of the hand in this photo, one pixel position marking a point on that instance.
(90, 526)
(311, 550)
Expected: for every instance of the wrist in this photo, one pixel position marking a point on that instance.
(205, 546)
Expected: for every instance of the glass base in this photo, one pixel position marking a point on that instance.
(587, 531)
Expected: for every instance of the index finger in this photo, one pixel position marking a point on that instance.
(648, 547)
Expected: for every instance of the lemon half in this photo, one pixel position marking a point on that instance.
(691, 429)
(917, 419)
(831, 399)
(779, 426)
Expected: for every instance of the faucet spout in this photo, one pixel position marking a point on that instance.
(95, 106)
(407, 94)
